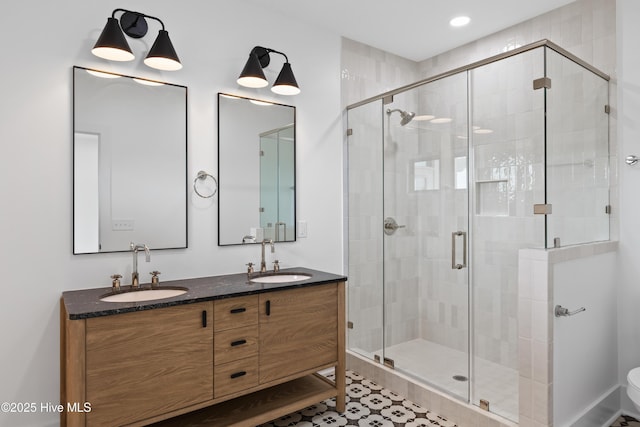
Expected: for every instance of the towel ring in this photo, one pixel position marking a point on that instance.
(202, 175)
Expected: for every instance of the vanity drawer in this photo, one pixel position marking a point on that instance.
(235, 312)
(235, 376)
(234, 344)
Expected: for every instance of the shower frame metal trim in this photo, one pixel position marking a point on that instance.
(544, 42)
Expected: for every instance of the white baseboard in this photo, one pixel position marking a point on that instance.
(601, 413)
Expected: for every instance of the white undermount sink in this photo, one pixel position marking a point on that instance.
(280, 278)
(144, 295)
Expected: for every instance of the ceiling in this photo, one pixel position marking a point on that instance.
(413, 29)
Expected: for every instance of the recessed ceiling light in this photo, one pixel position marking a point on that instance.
(459, 21)
(483, 131)
(442, 120)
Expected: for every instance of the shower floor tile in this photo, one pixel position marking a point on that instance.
(438, 365)
(368, 405)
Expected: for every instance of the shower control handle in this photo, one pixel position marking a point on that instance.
(454, 264)
(561, 311)
(390, 226)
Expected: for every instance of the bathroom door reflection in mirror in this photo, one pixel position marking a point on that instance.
(256, 166)
(130, 158)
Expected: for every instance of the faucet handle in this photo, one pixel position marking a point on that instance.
(276, 266)
(155, 280)
(249, 268)
(115, 284)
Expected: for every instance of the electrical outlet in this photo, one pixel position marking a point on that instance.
(302, 229)
(122, 225)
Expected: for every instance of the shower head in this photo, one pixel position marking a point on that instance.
(405, 117)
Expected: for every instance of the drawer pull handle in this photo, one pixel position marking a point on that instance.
(238, 310)
(239, 342)
(268, 307)
(238, 374)
(204, 318)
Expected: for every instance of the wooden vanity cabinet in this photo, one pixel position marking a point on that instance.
(298, 331)
(235, 345)
(237, 361)
(142, 364)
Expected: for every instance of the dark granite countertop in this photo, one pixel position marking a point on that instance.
(85, 303)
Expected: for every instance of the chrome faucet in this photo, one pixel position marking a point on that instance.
(135, 280)
(263, 264)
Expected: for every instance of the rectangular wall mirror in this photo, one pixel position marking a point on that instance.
(129, 163)
(256, 171)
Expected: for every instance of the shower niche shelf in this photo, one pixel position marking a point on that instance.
(492, 197)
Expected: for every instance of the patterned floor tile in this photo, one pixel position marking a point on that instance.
(626, 420)
(368, 405)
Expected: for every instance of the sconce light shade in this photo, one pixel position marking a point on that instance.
(286, 83)
(162, 55)
(111, 44)
(252, 74)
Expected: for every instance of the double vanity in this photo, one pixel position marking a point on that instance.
(232, 350)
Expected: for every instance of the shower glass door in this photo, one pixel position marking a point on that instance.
(507, 143)
(425, 232)
(366, 291)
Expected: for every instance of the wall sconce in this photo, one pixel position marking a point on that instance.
(253, 76)
(112, 44)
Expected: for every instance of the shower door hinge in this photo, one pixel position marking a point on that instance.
(349, 325)
(261, 153)
(260, 209)
(607, 109)
(543, 82)
(349, 132)
(484, 404)
(542, 209)
(387, 100)
(376, 358)
(607, 209)
(389, 363)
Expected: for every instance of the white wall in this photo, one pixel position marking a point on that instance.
(584, 345)
(628, 12)
(213, 40)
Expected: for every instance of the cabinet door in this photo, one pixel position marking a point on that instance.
(298, 330)
(148, 363)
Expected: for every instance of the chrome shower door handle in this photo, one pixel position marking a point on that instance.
(454, 236)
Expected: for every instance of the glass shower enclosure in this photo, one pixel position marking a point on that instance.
(447, 179)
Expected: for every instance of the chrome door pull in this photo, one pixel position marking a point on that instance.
(390, 226)
(561, 311)
(455, 265)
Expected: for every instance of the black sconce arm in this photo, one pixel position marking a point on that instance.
(131, 23)
(263, 55)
